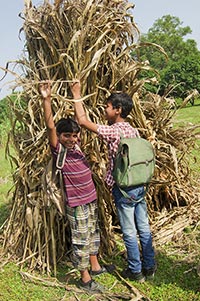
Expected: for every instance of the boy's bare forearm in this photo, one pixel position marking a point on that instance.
(48, 115)
(79, 109)
(82, 118)
(78, 105)
(80, 112)
(45, 91)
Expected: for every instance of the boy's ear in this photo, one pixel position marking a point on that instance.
(119, 111)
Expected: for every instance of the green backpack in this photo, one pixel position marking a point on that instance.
(134, 162)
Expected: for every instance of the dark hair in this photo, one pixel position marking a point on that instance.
(67, 125)
(123, 101)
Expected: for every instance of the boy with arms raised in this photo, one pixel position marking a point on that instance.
(132, 213)
(81, 206)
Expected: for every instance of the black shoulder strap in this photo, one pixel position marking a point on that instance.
(61, 156)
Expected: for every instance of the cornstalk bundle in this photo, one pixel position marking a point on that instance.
(93, 41)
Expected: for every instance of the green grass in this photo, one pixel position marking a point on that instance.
(13, 288)
(190, 116)
(176, 277)
(175, 280)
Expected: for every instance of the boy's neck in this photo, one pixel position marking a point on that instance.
(119, 119)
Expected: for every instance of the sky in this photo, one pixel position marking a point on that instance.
(145, 13)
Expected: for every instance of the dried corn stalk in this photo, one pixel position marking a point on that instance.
(92, 40)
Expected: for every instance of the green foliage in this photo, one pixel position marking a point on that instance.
(168, 33)
(5, 108)
(182, 68)
(6, 105)
(6, 113)
(4, 128)
(5, 185)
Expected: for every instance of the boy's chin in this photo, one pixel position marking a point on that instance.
(69, 146)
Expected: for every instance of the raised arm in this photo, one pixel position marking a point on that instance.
(79, 109)
(45, 91)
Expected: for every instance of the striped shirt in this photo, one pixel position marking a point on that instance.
(77, 176)
(111, 134)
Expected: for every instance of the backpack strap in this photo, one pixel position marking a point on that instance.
(62, 152)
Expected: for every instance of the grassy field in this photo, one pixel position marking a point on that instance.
(190, 116)
(176, 279)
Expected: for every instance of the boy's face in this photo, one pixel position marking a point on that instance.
(111, 113)
(68, 139)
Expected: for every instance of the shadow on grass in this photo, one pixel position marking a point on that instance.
(179, 272)
(171, 273)
(190, 106)
(170, 270)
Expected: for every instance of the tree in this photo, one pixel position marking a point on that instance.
(182, 68)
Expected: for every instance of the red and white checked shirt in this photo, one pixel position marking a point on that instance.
(111, 134)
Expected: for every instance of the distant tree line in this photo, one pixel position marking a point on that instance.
(181, 68)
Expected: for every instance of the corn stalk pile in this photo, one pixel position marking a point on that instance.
(93, 41)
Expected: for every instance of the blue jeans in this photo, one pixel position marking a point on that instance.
(133, 219)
